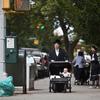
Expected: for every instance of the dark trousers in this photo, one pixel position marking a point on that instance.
(81, 75)
(76, 72)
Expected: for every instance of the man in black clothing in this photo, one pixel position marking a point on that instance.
(95, 67)
(57, 54)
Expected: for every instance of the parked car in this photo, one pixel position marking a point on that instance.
(30, 61)
(41, 64)
(34, 56)
(37, 55)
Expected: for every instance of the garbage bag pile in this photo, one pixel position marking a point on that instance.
(6, 86)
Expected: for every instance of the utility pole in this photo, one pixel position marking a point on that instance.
(2, 39)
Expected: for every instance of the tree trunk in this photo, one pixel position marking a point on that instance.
(68, 45)
(71, 49)
(63, 26)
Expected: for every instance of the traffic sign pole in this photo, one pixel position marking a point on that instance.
(2, 39)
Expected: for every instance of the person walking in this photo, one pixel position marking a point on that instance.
(79, 73)
(95, 68)
(57, 53)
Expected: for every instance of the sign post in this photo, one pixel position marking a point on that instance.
(11, 50)
(2, 39)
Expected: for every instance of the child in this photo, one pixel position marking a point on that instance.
(65, 73)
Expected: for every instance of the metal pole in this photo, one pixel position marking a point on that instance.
(24, 74)
(2, 39)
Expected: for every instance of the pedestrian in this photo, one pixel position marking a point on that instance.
(79, 63)
(57, 53)
(87, 58)
(95, 68)
(83, 50)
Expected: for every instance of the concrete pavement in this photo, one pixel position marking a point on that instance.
(41, 92)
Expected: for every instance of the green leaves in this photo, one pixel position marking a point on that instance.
(49, 8)
(84, 15)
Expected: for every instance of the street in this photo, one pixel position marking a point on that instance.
(41, 92)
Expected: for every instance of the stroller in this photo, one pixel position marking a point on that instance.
(57, 82)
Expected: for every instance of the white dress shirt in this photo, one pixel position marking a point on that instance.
(57, 51)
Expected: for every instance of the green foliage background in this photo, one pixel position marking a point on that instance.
(84, 15)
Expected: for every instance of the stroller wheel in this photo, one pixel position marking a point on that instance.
(65, 88)
(75, 82)
(87, 82)
(70, 90)
(54, 88)
(49, 89)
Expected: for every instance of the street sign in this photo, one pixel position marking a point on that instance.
(11, 49)
(36, 42)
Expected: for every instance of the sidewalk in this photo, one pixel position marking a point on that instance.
(41, 92)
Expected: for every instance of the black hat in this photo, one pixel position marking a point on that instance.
(94, 47)
(57, 41)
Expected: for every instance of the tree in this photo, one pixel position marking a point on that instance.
(84, 15)
(19, 23)
(89, 20)
(65, 10)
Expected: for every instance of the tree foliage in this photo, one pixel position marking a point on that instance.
(19, 23)
(89, 20)
(84, 15)
(67, 14)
